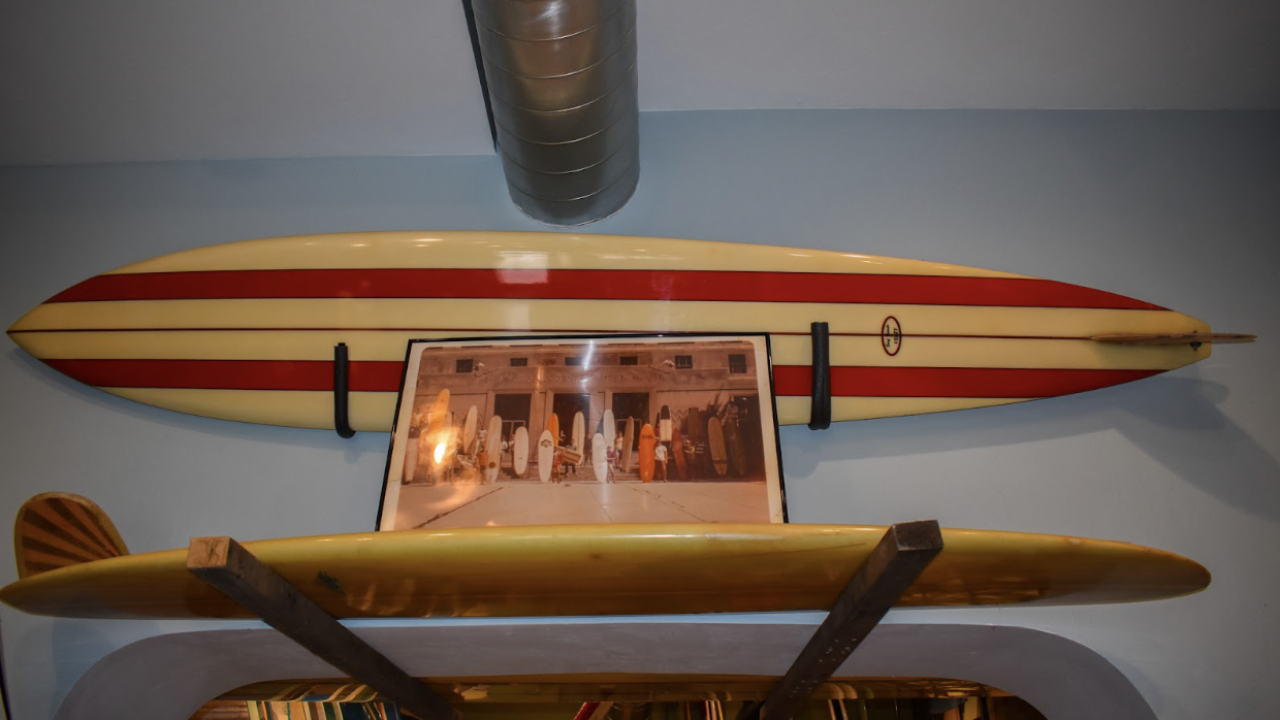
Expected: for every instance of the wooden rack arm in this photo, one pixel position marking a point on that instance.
(228, 566)
(895, 563)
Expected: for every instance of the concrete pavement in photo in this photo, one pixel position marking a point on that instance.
(535, 503)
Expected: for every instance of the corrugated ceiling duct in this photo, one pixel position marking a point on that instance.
(562, 85)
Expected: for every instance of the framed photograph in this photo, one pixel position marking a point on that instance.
(561, 430)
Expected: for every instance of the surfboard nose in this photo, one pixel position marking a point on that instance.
(1198, 577)
(20, 331)
(22, 321)
(1162, 574)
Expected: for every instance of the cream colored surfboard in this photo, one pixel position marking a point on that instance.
(246, 331)
(600, 457)
(609, 427)
(493, 449)
(469, 428)
(716, 447)
(572, 569)
(520, 451)
(580, 436)
(546, 455)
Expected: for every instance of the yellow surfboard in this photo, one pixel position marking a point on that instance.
(246, 331)
(553, 427)
(72, 564)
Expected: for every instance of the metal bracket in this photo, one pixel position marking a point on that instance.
(820, 403)
(340, 421)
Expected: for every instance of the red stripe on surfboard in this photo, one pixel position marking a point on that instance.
(789, 380)
(951, 382)
(365, 376)
(681, 285)
(503, 333)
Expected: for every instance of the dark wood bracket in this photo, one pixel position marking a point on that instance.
(895, 563)
(340, 392)
(226, 565)
(820, 404)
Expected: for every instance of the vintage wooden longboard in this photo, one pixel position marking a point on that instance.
(246, 331)
(86, 571)
(628, 444)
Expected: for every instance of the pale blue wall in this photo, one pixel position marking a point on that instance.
(1179, 209)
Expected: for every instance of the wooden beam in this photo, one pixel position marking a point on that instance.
(226, 565)
(902, 554)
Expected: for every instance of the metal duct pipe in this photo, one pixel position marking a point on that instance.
(563, 89)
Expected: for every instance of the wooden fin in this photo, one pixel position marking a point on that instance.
(55, 529)
(1191, 339)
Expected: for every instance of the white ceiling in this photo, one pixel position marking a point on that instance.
(132, 80)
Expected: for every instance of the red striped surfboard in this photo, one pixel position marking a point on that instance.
(245, 331)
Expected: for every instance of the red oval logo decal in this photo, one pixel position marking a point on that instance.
(891, 335)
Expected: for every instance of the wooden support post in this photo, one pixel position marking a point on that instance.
(903, 553)
(226, 565)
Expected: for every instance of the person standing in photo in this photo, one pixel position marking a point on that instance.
(482, 463)
(660, 460)
(569, 466)
(557, 461)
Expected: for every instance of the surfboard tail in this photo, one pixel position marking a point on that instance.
(55, 529)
